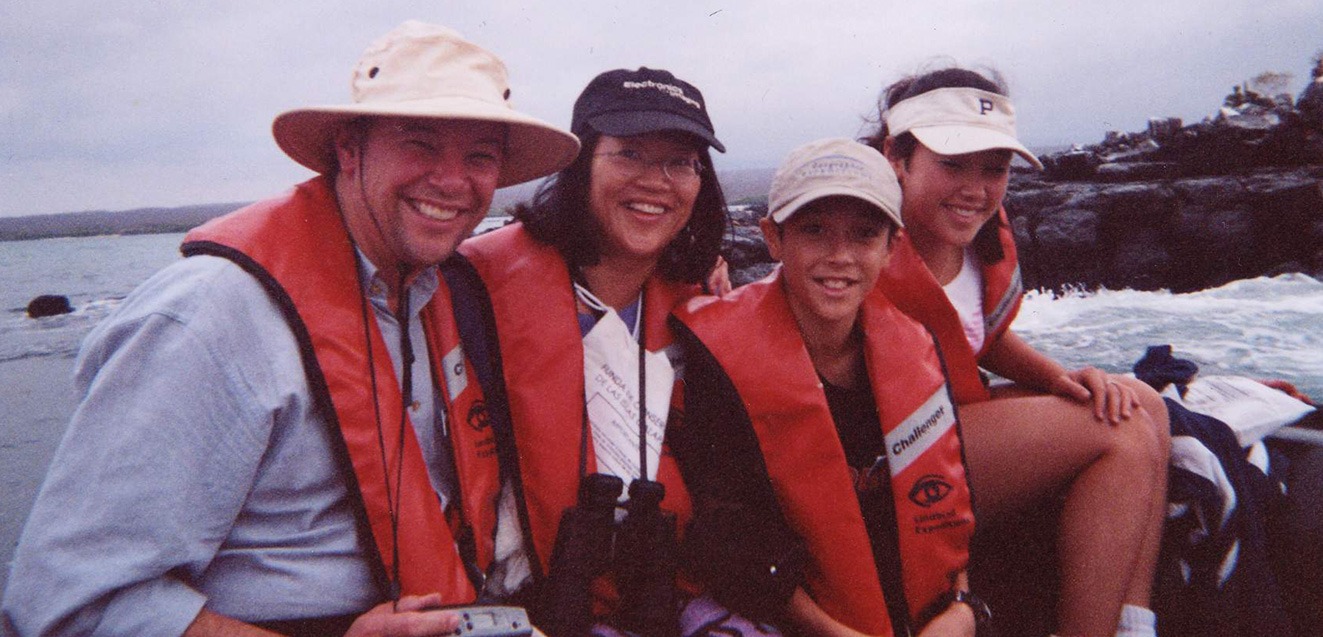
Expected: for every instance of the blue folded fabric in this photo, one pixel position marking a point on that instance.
(1158, 368)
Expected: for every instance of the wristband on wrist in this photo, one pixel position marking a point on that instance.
(982, 614)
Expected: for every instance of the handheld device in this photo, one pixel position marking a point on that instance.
(493, 621)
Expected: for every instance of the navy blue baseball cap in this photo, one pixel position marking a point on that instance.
(622, 103)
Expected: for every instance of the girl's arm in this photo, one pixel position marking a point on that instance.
(1014, 359)
(957, 620)
(810, 619)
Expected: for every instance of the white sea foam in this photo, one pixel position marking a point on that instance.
(1265, 327)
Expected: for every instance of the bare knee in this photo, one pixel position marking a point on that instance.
(1143, 446)
(1152, 414)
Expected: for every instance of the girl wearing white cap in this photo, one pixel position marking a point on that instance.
(1100, 439)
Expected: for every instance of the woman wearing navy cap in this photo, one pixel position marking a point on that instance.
(581, 287)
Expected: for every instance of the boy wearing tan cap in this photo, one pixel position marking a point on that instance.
(820, 441)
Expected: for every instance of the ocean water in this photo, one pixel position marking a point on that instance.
(1266, 328)
(1263, 328)
(96, 273)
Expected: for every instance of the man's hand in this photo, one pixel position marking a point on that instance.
(412, 616)
(415, 616)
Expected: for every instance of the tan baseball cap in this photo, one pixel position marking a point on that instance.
(429, 71)
(835, 166)
(955, 121)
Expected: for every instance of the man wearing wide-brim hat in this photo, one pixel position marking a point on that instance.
(282, 431)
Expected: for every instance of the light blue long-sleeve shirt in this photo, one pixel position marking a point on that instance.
(197, 471)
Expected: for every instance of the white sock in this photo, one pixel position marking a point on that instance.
(1136, 621)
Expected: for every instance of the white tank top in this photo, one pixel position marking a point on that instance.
(965, 292)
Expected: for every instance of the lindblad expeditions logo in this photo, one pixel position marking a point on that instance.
(929, 490)
(478, 418)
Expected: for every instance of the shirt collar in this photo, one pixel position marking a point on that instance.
(420, 290)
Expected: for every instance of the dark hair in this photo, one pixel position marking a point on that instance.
(986, 244)
(559, 216)
(355, 130)
(918, 84)
(890, 227)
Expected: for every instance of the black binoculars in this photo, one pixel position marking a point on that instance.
(641, 550)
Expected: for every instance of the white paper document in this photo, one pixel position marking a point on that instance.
(611, 376)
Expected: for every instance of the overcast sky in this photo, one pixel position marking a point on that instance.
(111, 105)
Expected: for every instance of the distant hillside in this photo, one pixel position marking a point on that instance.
(740, 186)
(507, 198)
(749, 185)
(99, 222)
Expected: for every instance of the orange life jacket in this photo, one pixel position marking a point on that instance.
(911, 286)
(298, 248)
(541, 348)
(786, 405)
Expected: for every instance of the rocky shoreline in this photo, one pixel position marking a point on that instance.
(1180, 234)
(1182, 208)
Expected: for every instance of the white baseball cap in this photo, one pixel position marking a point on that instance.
(834, 166)
(959, 120)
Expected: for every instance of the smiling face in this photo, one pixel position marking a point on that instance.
(949, 197)
(832, 251)
(641, 211)
(412, 189)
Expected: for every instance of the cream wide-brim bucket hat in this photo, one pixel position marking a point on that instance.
(429, 71)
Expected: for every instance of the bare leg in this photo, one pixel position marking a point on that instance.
(1140, 591)
(1025, 448)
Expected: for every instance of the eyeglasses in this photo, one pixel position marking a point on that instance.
(632, 162)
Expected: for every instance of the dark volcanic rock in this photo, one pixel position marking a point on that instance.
(1237, 139)
(1074, 164)
(1121, 171)
(1066, 232)
(49, 305)
(1310, 104)
(1175, 207)
(1213, 246)
(1063, 243)
(1178, 207)
(1142, 263)
(751, 273)
(1177, 234)
(744, 247)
